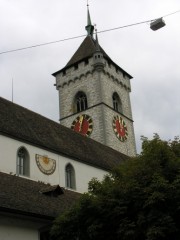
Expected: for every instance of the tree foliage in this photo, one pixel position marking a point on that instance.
(140, 199)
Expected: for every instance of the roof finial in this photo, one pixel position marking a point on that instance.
(89, 27)
(97, 42)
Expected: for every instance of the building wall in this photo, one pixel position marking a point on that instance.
(96, 115)
(21, 227)
(128, 146)
(75, 80)
(18, 229)
(99, 87)
(111, 82)
(83, 172)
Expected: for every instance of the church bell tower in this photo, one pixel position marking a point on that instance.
(94, 96)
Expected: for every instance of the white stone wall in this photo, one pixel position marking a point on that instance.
(111, 85)
(18, 229)
(128, 146)
(84, 173)
(96, 115)
(102, 118)
(81, 79)
(99, 87)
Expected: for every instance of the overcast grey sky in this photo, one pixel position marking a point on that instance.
(152, 58)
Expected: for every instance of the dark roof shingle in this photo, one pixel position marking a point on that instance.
(25, 196)
(85, 51)
(22, 124)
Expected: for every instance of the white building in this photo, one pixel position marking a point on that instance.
(45, 165)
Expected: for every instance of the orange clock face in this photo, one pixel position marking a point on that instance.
(120, 128)
(83, 124)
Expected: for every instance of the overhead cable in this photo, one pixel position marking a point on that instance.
(80, 36)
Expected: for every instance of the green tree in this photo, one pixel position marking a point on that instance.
(140, 199)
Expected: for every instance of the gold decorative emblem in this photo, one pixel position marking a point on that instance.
(120, 128)
(46, 165)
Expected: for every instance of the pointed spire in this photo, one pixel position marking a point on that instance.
(88, 16)
(98, 55)
(97, 42)
(89, 28)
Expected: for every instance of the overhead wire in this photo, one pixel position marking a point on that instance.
(129, 25)
(171, 13)
(70, 38)
(41, 44)
(80, 36)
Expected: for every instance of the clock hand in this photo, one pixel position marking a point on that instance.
(120, 125)
(81, 122)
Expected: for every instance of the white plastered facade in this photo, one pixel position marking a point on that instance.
(83, 172)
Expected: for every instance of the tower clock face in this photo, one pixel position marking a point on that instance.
(83, 124)
(120, 128)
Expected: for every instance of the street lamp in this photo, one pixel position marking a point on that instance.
(157, 24)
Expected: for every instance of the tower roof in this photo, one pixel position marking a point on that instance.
(86, 50)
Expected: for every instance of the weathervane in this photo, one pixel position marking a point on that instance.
(87, 3)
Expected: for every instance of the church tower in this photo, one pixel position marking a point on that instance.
(94, 96)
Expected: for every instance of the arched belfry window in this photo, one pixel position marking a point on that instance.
(117, 104)
(70, 177)
(81, 103)
(22, 162)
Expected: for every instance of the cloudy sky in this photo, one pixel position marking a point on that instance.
(151, 57)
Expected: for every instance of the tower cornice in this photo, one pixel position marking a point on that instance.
(96, 105)
(113, 77)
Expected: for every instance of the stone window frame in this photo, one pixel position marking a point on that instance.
(70, 178)
(23, 162)
(80, 102)
(117, 103)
